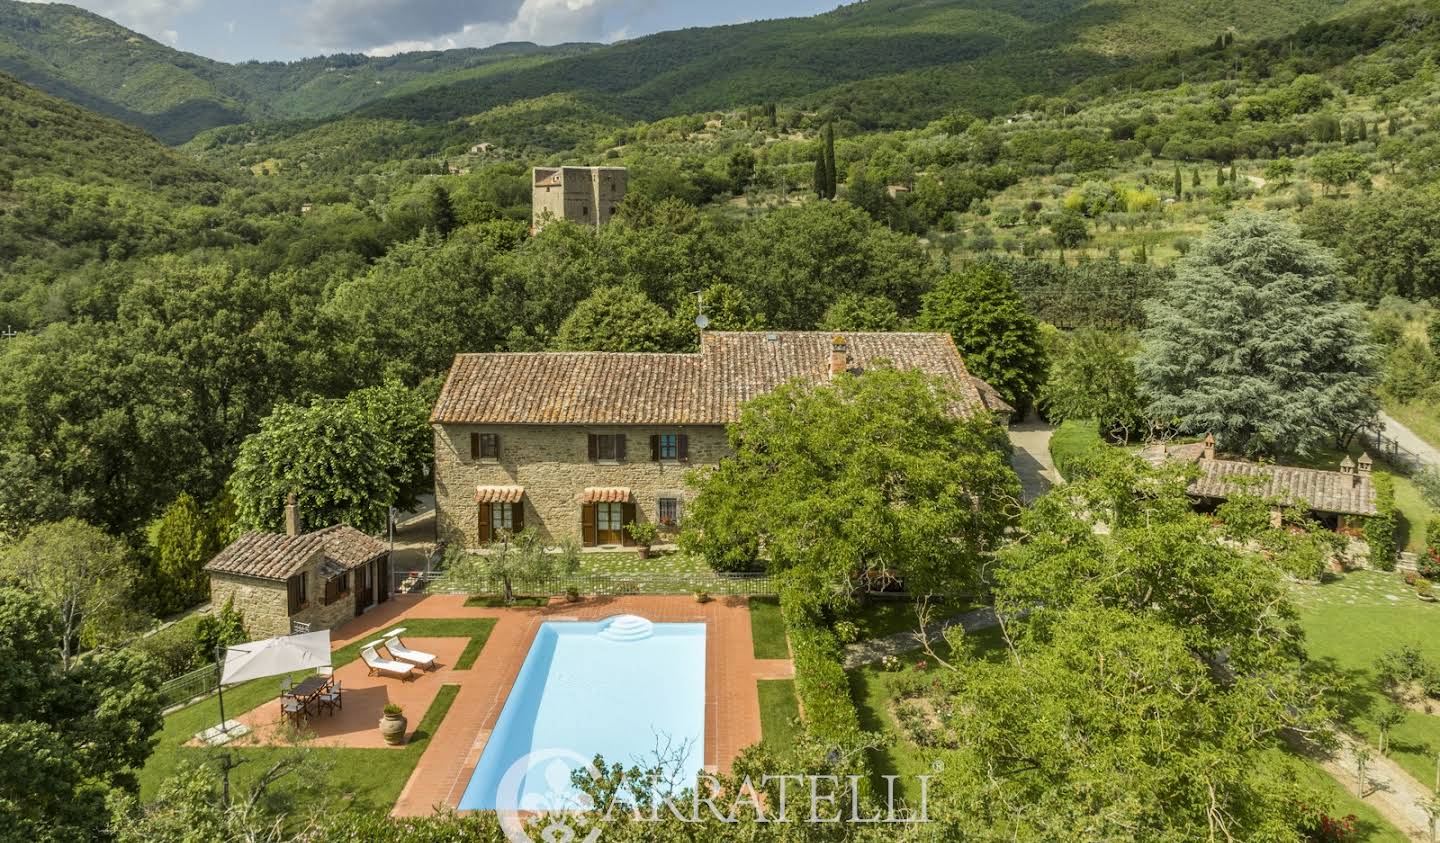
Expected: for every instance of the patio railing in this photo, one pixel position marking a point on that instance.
(607, 584)
(188, 686)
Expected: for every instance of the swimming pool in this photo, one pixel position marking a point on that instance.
(614, 687)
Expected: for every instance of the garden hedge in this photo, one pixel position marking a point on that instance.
(820, 679)
(1380, 529)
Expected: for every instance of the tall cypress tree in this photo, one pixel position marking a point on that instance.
(1179, 183)
(832, 181)
(821, 174)
(1220, 176)
(1233, 177)
(1195, 177)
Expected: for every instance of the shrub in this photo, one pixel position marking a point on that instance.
(1072, 441)
(393, 710)
(1380, 528)
(215, 631)
(847, 632)
(173, 648)
(702, 597)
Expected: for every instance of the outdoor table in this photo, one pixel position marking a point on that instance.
(310, 688)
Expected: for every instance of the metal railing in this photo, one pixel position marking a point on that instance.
(747, 584)
(188, 686)
(1392, 451)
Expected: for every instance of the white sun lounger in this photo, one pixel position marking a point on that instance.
(405, 654)
(380, 665)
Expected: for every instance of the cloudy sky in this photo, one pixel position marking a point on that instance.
(235, 30)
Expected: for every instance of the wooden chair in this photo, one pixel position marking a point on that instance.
(330, 699)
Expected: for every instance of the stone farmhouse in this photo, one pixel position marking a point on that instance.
(1334, 498)
(294, 582)
(579, 444)
(584, 195)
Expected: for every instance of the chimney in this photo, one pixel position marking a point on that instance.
(1209, 452)
(1347, 468)
(292, 516)
(839, 356)
(1365, 464)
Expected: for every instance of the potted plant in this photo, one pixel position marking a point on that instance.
(1425, 591)
(702, 597)
(392, 724)
(643, 535)
(572, 595)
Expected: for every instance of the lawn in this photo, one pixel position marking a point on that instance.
(877, 618)
(767, 628)
(371, 777)
(779, 712)
(1422, 420)
(1070, 440)
(1352, 622)
(628, 563)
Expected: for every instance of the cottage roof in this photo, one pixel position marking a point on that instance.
(1344, 492)
(275, 556)
(704, 388)
(1324, 491)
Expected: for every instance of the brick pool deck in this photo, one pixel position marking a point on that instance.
(732, 704)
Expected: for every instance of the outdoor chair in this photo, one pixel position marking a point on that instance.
(292, 709)
(376, 664)
(330, 698)
(398, 650)
(286, 685)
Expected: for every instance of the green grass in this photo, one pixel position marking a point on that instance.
(1349, 624)
(767, 628)
(1070, 440)
(476, 629)
(629, 563)
(349, 765)
(496, 601)
(878, 618)
(779, 712)
(1423, 420)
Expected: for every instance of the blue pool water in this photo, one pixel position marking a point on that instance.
(617, 687)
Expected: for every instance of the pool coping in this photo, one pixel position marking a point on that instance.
(732, 703)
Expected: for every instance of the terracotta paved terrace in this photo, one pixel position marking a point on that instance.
(732, 705)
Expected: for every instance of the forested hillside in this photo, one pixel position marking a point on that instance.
(101, 65)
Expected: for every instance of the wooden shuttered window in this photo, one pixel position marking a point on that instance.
(517, 512)
(484, 446)
(604, 447)
(587, 525)
(492, 520)
(486, 534)
(655, 447)
(684, 447)
(295, 593)
(337, 588)
(627, 517)
(669, 446)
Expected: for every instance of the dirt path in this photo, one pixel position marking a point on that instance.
(1409, 440)
(1031, 458)
(1392, 792)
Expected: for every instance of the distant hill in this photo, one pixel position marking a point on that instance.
(882, 62)
(92, 61)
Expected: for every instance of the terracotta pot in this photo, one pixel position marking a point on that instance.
(392, 729)
(644, 551)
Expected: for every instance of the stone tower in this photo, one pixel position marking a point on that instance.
(584, 195)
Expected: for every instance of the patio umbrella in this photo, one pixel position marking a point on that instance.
(272, 657)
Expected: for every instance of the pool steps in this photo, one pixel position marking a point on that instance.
(627, 628)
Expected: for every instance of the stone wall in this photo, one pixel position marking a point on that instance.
(266, 605)
(263, 602)
(585, 195)
(552, 464)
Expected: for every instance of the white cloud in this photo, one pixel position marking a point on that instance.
(541, 21)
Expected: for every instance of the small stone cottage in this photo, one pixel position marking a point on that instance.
(294, 582)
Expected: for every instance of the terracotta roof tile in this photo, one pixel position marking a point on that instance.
(602, 494)
(1325, 491)
(273, 556)
(704, 388)
(499, 494)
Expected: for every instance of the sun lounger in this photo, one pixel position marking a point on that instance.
(398, 649)
(387, 666)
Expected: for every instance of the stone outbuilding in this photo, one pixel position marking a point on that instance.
(1332, 497)
(294, 582)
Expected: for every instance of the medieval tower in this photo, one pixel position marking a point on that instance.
(584, 195)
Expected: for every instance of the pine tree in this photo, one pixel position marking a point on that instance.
(442, 210)
(1362, 129)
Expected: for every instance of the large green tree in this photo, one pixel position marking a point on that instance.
(83, 576)
(1092, 376)
(69, 738)
(621, 319)
(869, 474)
(1250, 341)
(347, 460)
(997, 335)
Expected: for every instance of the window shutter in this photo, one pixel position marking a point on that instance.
(517, 513)
(474, 446)
(627, 517)
(594, 448)
(684, 447)
(495, 445)
(655, 447)
(620, 448)
(292, 587)
(485, 533)
(587, 525)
